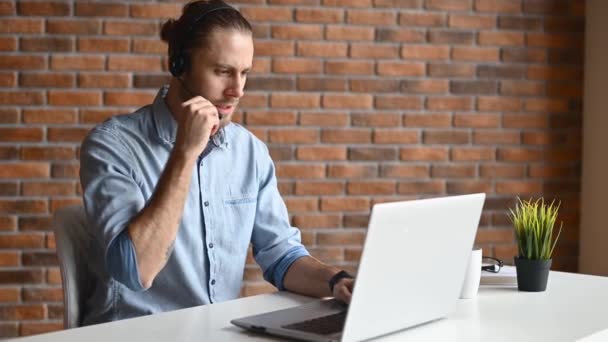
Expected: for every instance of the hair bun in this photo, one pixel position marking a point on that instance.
(167, 32)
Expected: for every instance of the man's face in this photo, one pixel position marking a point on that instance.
(219, 72)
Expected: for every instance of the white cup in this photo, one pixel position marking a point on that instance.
(472, 276)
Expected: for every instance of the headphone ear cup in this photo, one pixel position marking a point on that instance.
(176, 64)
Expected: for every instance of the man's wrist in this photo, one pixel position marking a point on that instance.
(336, 278)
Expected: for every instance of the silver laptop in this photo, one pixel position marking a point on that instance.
(411, 272)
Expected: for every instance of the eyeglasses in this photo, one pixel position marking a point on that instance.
(491, 264)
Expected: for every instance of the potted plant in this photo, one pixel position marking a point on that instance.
(533, 222)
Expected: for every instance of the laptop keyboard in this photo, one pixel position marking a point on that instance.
(325, 325)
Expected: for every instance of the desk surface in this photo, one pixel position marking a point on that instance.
(574, 306)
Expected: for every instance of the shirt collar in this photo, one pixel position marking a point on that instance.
(166, 126)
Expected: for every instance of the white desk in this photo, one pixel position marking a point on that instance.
(574, 306)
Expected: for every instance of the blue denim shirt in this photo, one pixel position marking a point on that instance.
(233, 201)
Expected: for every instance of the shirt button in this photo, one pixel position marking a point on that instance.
(206, 203)
(211, 245)
(213, 282)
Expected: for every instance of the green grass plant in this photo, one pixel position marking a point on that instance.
(533, 222)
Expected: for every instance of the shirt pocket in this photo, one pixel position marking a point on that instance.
(239, 211)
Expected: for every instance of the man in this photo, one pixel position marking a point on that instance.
(175, 192)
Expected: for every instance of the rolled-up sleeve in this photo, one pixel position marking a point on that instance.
(276, 244)
(111, 198)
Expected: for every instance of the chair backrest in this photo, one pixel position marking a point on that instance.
(73, 241)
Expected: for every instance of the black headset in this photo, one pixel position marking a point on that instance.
(177, 58)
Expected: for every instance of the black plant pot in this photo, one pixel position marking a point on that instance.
(532, 275)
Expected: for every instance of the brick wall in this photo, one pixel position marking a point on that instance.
(360, 101)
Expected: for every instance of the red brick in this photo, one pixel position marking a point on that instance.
(297, 65)
(274, 48)
(335, 32)
(375, 119)
(453, 171)
(565, 89)
(398, 3)
(30, 240)
(127, 28)
(155, 11)
(472, 21)
(324, 119)
(494, 171)
(254, 101)
(322, 49)
(345, 204)
(64, 202)
(35, 328)
(375, 51)
(261, 14)
(319, 188)
(421, 187)
(20, 277)
(349, 101)
(372, 153)
(422, 19)
(323, 83)
(287, 100)
(302, 31)
(546, 105)
(348, 3)
(24, 170)
(498, 6)
(293, 136)
(72, 26)
(21, 134)
(300, 204)
(352, 254)
(94, 116)
(46, 44)
(327, 254)
(153, 46)
(55, 80)
(8, 79)
(400, 35)
(349, 67)
(321, 153)
(8, 43)
(391, 136)
(425, 52)
(475, 54)
(520, 23)
(103, 80)
(554, 73)
(498, 104)
(523, 55)
(468, 186)
(134, 63)
(272, 118)
(21, 98)
(449, 103)
(352, 171)
(7, 8)
(501, 38)
(547, 171)
(554, 40)
(316, 221)
(45, 188)
(446, 137)
(22, 62)
(477, 120)
(36, 223)
(103, 45)
(78, 62)
(7, 223)
(21, 25)
(519, 187)
(377, 187)
(472, 153)
(496, 137)
(366, 17)
(92, 9)
(374, 86)
(340, 238)
(404, 171)
(64, 170)
(447, 5)
(398, 102)
(10, 259)
(544, 138)
(519, 154)
(451, 70)
(21, 312)
(423, 153)
(346, 136)
(44, 8)
(7, 116)
(401, 69)
(451, 37)
(74, 98)
(121, 98)
(8, 152)
(526, 88)
(324, 15)
(47, 153)
(10, 294)
(51, 116)
(427, 119)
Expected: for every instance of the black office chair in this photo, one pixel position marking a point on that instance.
(73, 239)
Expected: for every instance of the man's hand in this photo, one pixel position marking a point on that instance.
(198, 121)
(343, 290)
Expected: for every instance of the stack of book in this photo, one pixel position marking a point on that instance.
(507, 276)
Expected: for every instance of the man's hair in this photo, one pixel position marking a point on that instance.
(194, 27)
